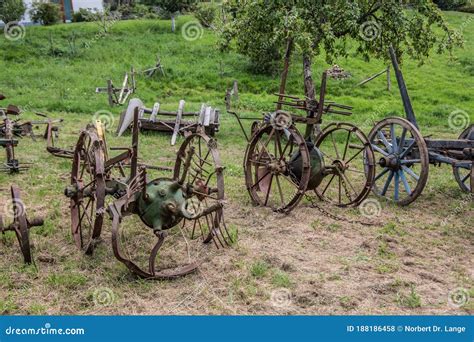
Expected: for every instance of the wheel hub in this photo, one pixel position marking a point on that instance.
(391, 161)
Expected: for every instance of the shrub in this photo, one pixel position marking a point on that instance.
(450, 4)
(45, 13)
(82, 15)
(206, 13)
(133, 12)
(11, 10)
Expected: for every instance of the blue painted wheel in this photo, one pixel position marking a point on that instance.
(402, 160)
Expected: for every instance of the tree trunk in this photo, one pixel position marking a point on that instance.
(284, 74)
(173, 23)
(309, 92)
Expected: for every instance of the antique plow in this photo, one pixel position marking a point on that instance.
(118, 96)
(21, 224)
(191, 200)
(8, 140)
(281, 164)
(403, 155)
(207, 118)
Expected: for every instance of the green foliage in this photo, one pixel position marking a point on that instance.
(261, 29)
(173, 6)
(412, 300)
(206, 13)
(45, 13)
(259, 269)
(83, 14)
(450, 4)
(11, 10)
(133, 11)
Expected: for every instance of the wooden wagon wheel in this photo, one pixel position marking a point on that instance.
(463, 175)
(402, 156)
(20, 224)
(349, 165)
(87, 191)
(277, 167)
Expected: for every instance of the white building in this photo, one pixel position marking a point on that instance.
(68, 7)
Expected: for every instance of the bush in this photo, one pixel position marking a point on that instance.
(206, 13)
(82, 15)
(133, 12)
(45, 13)
(11, 10)
(450, 4)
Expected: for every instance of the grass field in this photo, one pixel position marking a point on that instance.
(303, 263)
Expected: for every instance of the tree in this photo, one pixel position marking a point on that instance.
(261, 29)
(11, 10)
(174, 7)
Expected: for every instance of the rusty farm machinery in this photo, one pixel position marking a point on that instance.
(403, 155)
(281, 164)
(20, 225)
(144, 211)
(176, 123)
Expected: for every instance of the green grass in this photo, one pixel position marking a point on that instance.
(63, 86)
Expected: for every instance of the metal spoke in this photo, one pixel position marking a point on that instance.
(335, 146)
(347, 144)
(269, 189)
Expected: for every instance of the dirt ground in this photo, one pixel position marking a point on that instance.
(414, 260)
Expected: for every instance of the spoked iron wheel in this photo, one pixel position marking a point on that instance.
(402, 158)
(20, 224)
(349, 165)
(87, 190)
(277, 168)
(198, 174)
(463, 175)
(198, 167)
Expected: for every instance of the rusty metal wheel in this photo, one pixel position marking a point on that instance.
(203, 173)
(463, 175)
(349, 168)
(402, 157)
(20, 224)
(277, 167)
(87, 190)
(197, 184)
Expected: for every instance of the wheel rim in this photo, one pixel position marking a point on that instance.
(87, 177)
(350, 168)
(205, 175)
(463, 174)
(268, 168)
(402, 158)
(21, 224)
